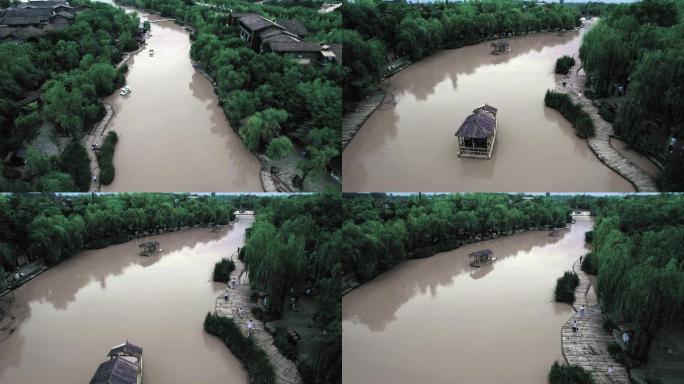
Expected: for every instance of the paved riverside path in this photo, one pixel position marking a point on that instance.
(600, 143)
(588, 347)
(285, 370)
(361, 110)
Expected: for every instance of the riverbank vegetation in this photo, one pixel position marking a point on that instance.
(565, 287)
(53, 228)
(377, 32)
(569, 374)
(573, 112)
(381, 231)
(105, 158)
(292, 251)
(57, 79)
(635, 57)
(222, 270)
(637, 247)
(563, 65)
(269, 99)
(256, 360)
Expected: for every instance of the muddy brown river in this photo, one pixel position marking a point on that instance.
(173, 135)
(438, 320)
(408, 143)
(76, 311)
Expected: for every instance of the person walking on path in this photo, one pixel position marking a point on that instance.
(574, 326)
(225, 295)
(581, 311)
(250, 326)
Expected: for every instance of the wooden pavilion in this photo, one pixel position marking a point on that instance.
(481, 257)
(149, 247)
(125, 366)
(500, 47)
(477, 134)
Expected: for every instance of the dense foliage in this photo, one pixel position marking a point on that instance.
(565, 287)
(639, 46)
(72, 68)
(376, 31)
(569, 374)
(563, 64)
(589, 264)
(383, 231)
(573, 112)
(294, 244)
(56, 227)
(640, 265)
(257, 361)
(222, 270)
(105, 157)
(269, 99)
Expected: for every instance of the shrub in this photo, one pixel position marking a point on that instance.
(563, 64)
(105, 157)
(286, 347)
(609, 324)
(571, 111)
(569, 374)
(565, 287)
(589, 264)
(222, 270)
(589, 236)
(607, 113)
(256, 360)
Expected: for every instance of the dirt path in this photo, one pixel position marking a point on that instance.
(600, 143)
(588, 347)
(285, 370)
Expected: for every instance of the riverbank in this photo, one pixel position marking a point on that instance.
(574, 86)
(588, 348)
(285, 370)
(432, 250)
(95, 137)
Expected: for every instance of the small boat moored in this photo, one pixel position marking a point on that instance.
(151, 52)
(125, 91)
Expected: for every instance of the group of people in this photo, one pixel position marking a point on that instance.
(575, 325)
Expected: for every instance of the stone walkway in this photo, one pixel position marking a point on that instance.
(357, 115)
(285, 370)
(588, 347)
(95, 137)
(600, 143)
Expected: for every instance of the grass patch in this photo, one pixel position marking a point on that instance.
(256, 360)
(571, 111)
(105, 156)
(565, 287)
(222, 270)
(563, 64)
(589, 264)
(569, 374)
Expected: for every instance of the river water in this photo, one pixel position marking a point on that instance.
(408, 144)
(76, 311)
(173, 135)
(438, 320)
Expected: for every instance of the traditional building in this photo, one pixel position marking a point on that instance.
(124, 366)
(32, 19)
(477, 134)
(284, 37)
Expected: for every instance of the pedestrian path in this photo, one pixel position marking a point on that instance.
(600, 143)
(588, 348)
(285, 370)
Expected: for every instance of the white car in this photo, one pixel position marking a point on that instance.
(125, 91)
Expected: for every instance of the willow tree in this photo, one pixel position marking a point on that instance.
(275, 264)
